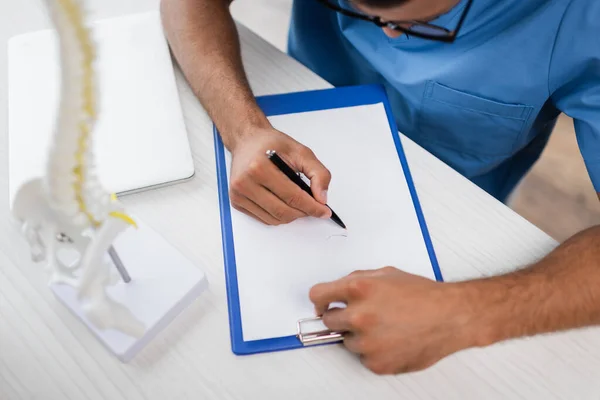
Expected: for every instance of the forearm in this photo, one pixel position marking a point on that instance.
(560, 292)
(204, 41)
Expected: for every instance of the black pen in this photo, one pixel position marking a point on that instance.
(290, 173)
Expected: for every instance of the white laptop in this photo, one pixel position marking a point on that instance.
(140, 140)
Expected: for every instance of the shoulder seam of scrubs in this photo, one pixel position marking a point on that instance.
(558, 30)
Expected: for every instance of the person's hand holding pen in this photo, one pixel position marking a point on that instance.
(259, 189)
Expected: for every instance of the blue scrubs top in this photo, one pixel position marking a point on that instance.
(485, 104)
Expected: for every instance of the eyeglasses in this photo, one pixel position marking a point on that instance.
(414, 28)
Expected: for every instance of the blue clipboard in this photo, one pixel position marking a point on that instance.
(290, 103)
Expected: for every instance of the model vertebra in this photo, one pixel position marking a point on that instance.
(68, 208)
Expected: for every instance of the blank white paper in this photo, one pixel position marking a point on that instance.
(277, 266)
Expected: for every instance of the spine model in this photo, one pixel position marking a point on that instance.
(69, 207)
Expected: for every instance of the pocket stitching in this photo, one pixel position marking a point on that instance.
(523, 126)
(528, 108)
(476, 98)
(427, 95)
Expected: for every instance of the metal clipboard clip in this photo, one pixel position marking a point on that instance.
(317, 337)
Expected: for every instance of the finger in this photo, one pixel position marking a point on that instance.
(248, 213)
(319, 175)
(281, 186)
(353, 343)
(250, 208)
(336, 319)
(388, 270)
(363, 272)
(379, 365)
(266, 200)
(274, 205)
(323, 294)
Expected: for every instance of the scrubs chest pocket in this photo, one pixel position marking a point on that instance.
(470, 124)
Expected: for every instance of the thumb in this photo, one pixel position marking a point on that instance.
(319, 176)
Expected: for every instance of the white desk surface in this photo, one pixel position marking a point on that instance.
(46, 354)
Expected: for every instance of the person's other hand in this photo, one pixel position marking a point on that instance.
(397, 322)
(259, 189)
